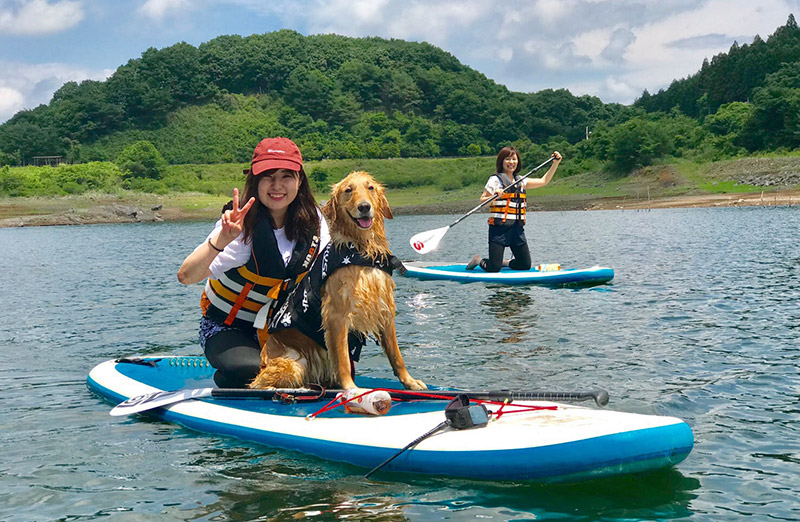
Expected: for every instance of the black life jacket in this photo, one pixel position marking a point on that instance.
(237, 297)
(302, 309)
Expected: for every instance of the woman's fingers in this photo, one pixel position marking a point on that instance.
(227, 224)
(246, 208)
(233, 219)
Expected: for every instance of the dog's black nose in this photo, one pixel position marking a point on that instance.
(364, 208)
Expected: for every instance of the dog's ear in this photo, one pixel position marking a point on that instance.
(385, 209)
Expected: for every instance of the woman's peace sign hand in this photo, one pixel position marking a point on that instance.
(233, 220)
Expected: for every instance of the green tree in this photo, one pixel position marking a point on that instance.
(775, 119)
(310, 91)
(636, 143)
(730, 118)
(363, 81)
(141, 160)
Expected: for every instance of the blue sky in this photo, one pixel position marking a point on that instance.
(612, 49)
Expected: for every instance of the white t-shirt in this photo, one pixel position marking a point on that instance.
(493, 185)
(238, 252)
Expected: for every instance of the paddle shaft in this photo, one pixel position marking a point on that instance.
(161, 399)
(548, 160)
(600, 397)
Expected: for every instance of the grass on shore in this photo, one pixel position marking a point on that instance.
(441, 185)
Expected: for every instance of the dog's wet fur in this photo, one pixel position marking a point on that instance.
(359, 298)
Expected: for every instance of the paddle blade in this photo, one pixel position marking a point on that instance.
(154, 400)
(424, 242)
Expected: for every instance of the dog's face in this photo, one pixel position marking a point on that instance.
(357, 208)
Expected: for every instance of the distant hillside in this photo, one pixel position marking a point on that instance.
(339, 97)
(351, 98)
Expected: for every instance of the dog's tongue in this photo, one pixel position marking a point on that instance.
(365, 222)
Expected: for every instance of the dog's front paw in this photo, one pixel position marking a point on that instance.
(414, 384)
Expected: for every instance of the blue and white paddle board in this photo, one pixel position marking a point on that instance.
(565, 444)
(458, 272)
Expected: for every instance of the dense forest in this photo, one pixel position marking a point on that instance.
(341, 97)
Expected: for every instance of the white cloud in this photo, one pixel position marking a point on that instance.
(26, 86)
(505, 53)
(158, 9)
(33, 17)
(553, 11)
(591, 43)
(434, 22)
(11, 101)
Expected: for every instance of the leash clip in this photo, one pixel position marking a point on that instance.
(284, 398)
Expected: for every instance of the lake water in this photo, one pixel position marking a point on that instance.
(701, 322)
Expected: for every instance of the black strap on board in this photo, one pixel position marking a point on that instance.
(458, 414)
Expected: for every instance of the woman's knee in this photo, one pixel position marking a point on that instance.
(233, 351)
(519, 264)
(488, 266)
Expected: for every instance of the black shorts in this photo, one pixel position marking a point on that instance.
(508, 235)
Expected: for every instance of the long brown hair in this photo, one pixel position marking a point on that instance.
(302, 220)
(503, 154)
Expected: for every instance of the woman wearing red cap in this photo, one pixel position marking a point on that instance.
(253, 258)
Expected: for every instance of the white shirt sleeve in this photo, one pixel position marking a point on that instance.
(493, 185)
(235, 254)
(324, 232)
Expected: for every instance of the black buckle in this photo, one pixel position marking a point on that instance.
(462, 416)
(397, 265)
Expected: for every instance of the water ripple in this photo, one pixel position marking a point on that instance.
(701, 322)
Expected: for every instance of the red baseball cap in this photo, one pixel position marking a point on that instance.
(276, 153)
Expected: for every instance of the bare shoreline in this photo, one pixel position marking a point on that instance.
(21, 216)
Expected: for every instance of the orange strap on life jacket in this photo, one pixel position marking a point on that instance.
(238, 304)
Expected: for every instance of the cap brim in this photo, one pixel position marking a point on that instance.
(260, 166)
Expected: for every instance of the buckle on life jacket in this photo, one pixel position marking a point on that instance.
(260, 322)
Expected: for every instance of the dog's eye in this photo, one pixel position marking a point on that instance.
(371, 187)
(348, 190)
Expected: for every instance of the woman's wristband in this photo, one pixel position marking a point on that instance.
(212, 246)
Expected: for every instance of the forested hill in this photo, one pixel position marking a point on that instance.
(765, 73)
(729, 77)
(341, 97)
(337, 96)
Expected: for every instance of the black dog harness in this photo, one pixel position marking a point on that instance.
(303, 307)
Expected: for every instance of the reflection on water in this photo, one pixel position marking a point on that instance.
(512, 306)
(250, 485)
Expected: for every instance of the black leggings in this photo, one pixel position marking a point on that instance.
(520, 261)
(236, 355)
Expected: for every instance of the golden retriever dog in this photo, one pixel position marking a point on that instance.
(353, 297)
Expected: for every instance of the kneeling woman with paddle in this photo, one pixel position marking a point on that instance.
(507, 218)
(253, 258)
